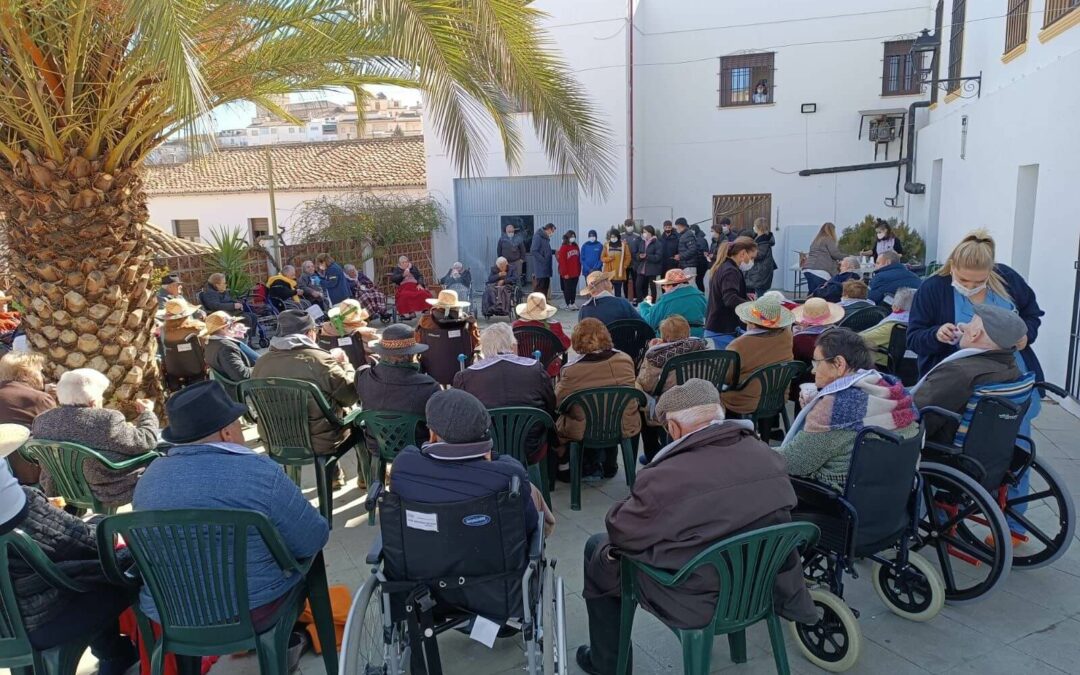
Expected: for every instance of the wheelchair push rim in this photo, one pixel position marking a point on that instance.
(834, 642)
(965, 529)
(1047, 515)
(914, 591)
(371, 646)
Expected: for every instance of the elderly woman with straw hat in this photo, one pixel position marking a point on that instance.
(180, 321)
(346, 327)
(813, 318)
(680, 297)
(226, 352)
(767, 340)
(448, 330)
(536, 311)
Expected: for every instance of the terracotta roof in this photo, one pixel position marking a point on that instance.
(165, 245)
(369, 163)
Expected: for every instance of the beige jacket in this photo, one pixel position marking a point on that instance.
(603, 369)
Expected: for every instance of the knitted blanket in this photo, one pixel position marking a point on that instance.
(877, 400)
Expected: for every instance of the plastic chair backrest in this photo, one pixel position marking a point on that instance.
(444, 345)
(391, 431)
(775, 381)
(184, 359)
(631, 336)
(881, 478)
(510, 426)
(231, 387)
(989, 425)
(281, 411)
(194, 564)
(64, 462)
(603, 408)
(535, 339)
(718, 366)
(864, 318)
(352, 345)
(746, 565)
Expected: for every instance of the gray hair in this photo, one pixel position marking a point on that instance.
(498, 338)
(288, 269)
(457, 265)
(903, 298)
(306, 264)
(501, 261)
(889, 258)
(350, 267)
(81, 387)
(698, 416)
(216, 278)
(851, 262)
(402, 258)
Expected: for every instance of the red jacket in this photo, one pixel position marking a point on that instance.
(569, 261)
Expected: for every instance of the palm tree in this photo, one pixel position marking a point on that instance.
(89, 87)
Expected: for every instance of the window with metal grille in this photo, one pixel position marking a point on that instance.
(260, 227)
(746, 79)
(956, 44)
(1057, 10)
(742, 210)
(186, 229)
(900, 76)
(1016, 24)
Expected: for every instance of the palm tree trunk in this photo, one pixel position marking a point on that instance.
(81, 269)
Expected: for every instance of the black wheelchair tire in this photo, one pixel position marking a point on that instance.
(837, 626)
(1056, 545)
(916, 594)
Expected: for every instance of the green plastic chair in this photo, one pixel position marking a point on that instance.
(603, 408)
(232, 388)
(746, 566)
(392, 432)
(509, 428)
(16, 652)
(281, 414)
(775, 381)
(193, 563)
(65, 461)
(713, 365)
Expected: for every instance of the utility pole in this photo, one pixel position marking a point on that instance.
(276, 255)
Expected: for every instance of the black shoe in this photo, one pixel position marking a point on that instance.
(562, 475)
(610, 471)
(584, 661)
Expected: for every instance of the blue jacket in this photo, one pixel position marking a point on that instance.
(335, 284)
(833, 289)
(890, 279)
(934, 305)
(419, 477)
(590, 257)
(608, 309)
(541, 255)
(686, 301)
(228, 476)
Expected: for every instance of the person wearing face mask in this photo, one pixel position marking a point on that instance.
(591, 251)
(727, 290)
(884, 241)
(721, 232)
(648, 264)
(569, 257)
(616, 258)
(669, 246)
(633, 244)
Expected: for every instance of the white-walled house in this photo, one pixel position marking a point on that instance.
(230, 189)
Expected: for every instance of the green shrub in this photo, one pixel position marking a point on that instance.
(230, 257)
(861, 237)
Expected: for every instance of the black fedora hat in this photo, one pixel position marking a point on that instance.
(198, 410)
(397, 340)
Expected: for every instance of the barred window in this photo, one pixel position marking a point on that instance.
(1016, 24)
(186, 229)
(900, 76)
(260, 227)
(956, 44)
(746, 79)
(1057, 10)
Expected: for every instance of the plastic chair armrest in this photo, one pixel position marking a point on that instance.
(375, 553)
(37, 560)
(131, 463)
(350, 419)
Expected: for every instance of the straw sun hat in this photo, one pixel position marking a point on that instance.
(766, 312)
(818, 312)
(179, 308)
(355, 314)
(216, 321)
(593, 281)
(447, 300)
(536, 308)
(676, 276)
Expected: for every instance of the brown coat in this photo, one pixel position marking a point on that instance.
(719, 481)
(603, 369)
(334, 379)
(756, 350)
(20, 404)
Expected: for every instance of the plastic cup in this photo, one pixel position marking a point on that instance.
(807, 391)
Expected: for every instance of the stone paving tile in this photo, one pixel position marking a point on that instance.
(1004, 661)
(1057, 645)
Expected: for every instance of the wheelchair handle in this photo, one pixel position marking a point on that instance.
(537, 355)
(1052, 388)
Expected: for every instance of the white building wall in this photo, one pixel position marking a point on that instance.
(1024, 117)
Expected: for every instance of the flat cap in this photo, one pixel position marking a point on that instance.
(693, 393)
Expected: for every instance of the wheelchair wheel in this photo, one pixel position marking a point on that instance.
(916, 593)
(958, 518)
(1047, 512)
(364, 648)
(834, 642)
(547, 620)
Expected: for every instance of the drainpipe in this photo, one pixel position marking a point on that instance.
(910, 187)
(852, 167)
(630, 109)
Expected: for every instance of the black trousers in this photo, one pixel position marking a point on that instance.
(700, 278)
(619, 287)
(94, 613)
(631, 284)
(541, 285)
(603, 619)
(643, 286)
(569, 289)
(650, 440)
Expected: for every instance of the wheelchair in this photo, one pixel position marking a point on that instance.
(421, 586)
(967, 486)
(875, 517)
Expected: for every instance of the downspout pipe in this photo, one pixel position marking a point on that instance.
(853, 167)
(910, 187)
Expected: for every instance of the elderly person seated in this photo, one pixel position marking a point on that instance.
(812, 318)
(82, 418)
(448, 331)
(602, 303)
(217, 297)
(890, 275)
(170, 289)
(853, 297)
(714, 480)
(680, 298)
(209, 467)
(347, 328)
(458, 279)
(226, 352)
(283, 289)
(767, 340)
(537, 313)
(411, 296)
(310, 285)
(833, 289)
(181, 322)
(597, 364)
(987, 356)
(54, 616)
(851, 396)
(364, 289)
(499, 289)
(877, 338)
(23, 396)
(459, 462)
(501, 378)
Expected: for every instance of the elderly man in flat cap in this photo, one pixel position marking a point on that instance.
(714, 480)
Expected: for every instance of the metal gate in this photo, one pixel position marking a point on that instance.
(1073, 373)
(482, 205)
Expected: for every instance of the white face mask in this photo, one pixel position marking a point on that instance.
(968, 292)
(745, 267)
(572, 239)
(592, 238)
(725, 229)
(614, 240)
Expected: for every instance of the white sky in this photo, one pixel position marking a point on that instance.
(239, 115)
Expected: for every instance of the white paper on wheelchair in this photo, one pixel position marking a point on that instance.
(484, 631)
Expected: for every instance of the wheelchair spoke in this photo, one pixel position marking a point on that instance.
(1027, 499)
(980, 553)
(1029, 527)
